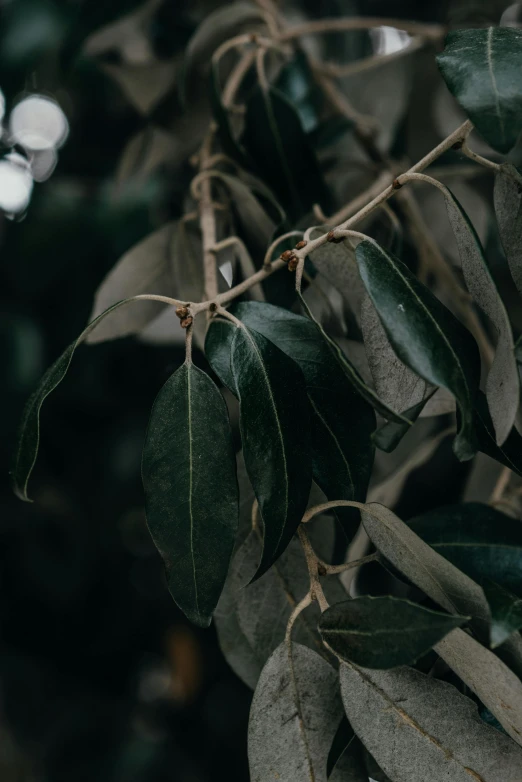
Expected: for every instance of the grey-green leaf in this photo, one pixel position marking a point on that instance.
(424, 334)
(275, 432)
(483, 70)
(191, 493)
(384, 632)
(294, 716)
(420, 729)
(506, 612)
(508, 210)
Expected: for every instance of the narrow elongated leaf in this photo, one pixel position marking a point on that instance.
(274, 135)
(275, 431)
(482, 69)
(503, 384)
(342, 739)
(294, 715)
(218, 350)
(506, 612)
(191, 493)
(477, 539)
(508, 210)
(510, 452)
(257, 226)
(422, 730)
(29, 432)
(336, 263)
(424, 334)
(496, 686)
(342, 422)
(384, 632)
(296, 82)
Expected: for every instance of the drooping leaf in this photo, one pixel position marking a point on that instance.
(256, 224)
(503, 384)
(296, 82)
(218, 350)
(342, 422)
(476, 538)
(336, 263)
(275, 137)
(144, 153)
(275, 432)
(506, 612)
(343, 736)
(424, 334)
(508, 210)
(191, 493)
(29, 432)
(384, 632)
(144, 85)
(389, 435)
(422, 730)
(482, 69)
(346, 756)
(510, 452)
(294, 715)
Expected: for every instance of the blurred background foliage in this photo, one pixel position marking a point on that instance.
(101, 677)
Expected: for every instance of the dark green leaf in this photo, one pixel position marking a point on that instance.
(510, 452)
(296, 82)
(295, 712)
(275, 431)
(231, 145)
(341, 741)
(384, 632)
(506, 612)
(257, 226)
(342, 422)
(218, 350)
(477, 539)
(419, 729)
(389, 435)
(29, 432)
(508, 210)
(483, 70)
(275, 138)
(424, 334)
(191, 494)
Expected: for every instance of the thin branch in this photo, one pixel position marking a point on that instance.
(316, 590)
(247, 265)
(482, 161)
(359, 202)
(331, 570)
(433, 32)
(336, 71)
(500, 487)
(188, 343)
(312, 512)
(300, 607)
(267, 262)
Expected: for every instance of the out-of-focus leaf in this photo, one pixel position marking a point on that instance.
(422, 730)
(510, 452)
(508, 210)
(294, 716)
(389, 435)
(275, 432)
(482, 69)
(274, 136)
(424, 334)
(506, 612)
(477, 539)
(336, 262)
(255, 222)
(191, 493)
(384, 632)
(147, 151)
(296, 82)
(143, 85)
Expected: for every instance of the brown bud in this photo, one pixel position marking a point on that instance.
(321, 570)
(396, 184)
(293, 263)
(186, 322)
(331, 237)
(213, 307)
(286, 255)
(182, 312)
(300, 245)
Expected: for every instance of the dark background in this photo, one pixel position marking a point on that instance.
(101, 677)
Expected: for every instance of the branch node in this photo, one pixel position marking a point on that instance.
(287, 255)
(182, 312)
(301, 245)
(186, 322)
(396, 185)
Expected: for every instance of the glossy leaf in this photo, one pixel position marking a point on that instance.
(476, 538)
(275, 138)
(191, 493)
(508, 210)
(271, 389)
(424, 334)
(506, 612)
(342, 422)
(29, 432)
(422, 730)
(384, 632)
(294, 716)
(503, 384)
(482, 69)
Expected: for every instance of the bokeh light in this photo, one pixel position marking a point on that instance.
(38, 123)
(16, 184)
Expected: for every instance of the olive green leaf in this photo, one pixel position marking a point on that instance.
(275, 432)
(506, 612)
(510, 452)
(420, 729)
(218, 350)
(384, 632)
(191, 493)
(296, 82)
(29, 431)
(424, 334)
(508, 210)
(294, 716)
(346, 756)
(483, 70)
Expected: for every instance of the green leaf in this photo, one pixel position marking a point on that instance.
(296, 82)
(257, 226)
(275, 138)
(508, 210)
(275, 432)
(389, 435)
(218, 350)
(294, 715)
(510, 452)
(231, 145)
(424, 334)
(483, 70)
(340, 743)
(477, 539)
(503, 384)
(342, 422)
(29, 431)
(191, 494)
(419, 729)
(506, 612)
(384, 632)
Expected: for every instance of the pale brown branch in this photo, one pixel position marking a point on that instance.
(482, 161)
(300, 607)
(188, 344)
(500, 487)
(336, 71)
(331, 570)
(433, 32)
(316, 590)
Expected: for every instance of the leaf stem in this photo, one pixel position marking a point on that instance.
(300, 607)
(312, 562)
(188, 343)
(433, 32)
(482, 161)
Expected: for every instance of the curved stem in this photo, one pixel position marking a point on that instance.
(330, 570)
(300, 607)
(482, 161)
(311, 512)
(432, 32)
